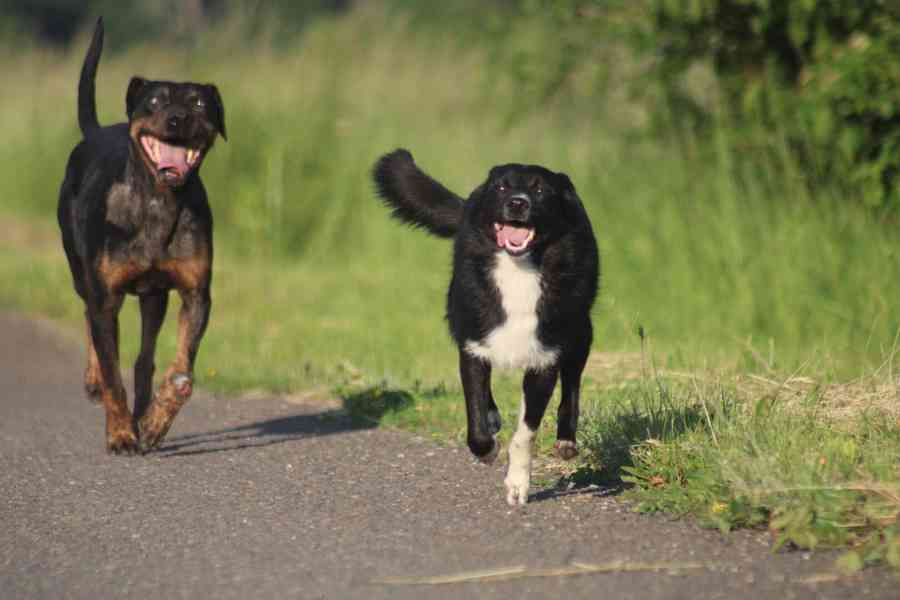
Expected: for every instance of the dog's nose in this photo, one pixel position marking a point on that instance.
(518, 203)
(176, 118)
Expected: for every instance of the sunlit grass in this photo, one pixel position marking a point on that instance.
(705, 448)
(709, 267)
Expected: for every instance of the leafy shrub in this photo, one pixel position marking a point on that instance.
(822, 72)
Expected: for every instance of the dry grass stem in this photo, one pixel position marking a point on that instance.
(520, 572)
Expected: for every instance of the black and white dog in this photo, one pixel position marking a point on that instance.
(525, 275)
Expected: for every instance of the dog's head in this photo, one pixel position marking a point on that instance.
(522, 207)
(173, 126)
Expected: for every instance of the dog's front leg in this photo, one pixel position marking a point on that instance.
(475, 374)
(153, 313)
(537, 388)
(177, 384)
(567, 416)
(103, 346)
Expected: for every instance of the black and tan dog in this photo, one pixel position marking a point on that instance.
(135, 220)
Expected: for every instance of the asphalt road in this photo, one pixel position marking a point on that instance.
(267, 498)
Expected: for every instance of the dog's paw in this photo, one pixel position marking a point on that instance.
(494, 421)
(93, 392)
(120, 435)
(565, 449)
(122, 442)
(152, 431)
(485, 452)
(491, 456)
(518, 480)
(155, 424)
(92, 388)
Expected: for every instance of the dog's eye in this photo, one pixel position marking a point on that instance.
(198, 104)
(154, 103)
(539, 190)
(501, 187)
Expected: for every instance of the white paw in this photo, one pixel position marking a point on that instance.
(518, 480)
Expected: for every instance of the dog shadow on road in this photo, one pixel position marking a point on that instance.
(362, 409)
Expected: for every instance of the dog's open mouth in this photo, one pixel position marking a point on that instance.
(515, 238)
(172, 162)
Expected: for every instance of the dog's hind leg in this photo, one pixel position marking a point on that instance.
(177, 384)
(153, 312)
(93, 379)
(537, 388)
(567, 416)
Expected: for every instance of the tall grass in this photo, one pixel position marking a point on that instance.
(732, 460)
(712, 264)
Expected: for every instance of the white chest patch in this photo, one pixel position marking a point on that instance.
(514, 343)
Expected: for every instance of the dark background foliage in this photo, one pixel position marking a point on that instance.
(825, 71)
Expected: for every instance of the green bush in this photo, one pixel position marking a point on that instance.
(822, 73)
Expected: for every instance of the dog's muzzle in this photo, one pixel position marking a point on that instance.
(514, 232)
(517, 208)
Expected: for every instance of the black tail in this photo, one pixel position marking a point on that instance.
(87, 103)
(415, 197)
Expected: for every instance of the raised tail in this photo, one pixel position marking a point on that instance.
(87, 103)
(414, 197)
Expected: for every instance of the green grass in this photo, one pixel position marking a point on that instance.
(316, 289)
(736, 460)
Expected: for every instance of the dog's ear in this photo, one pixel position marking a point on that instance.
(134, 91)
(572, 206)
(216, 109)
(493, 174)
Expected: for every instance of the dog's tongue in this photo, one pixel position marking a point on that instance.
(515, 235)
(172, 157)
